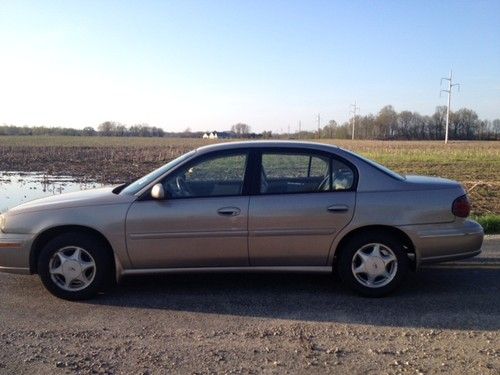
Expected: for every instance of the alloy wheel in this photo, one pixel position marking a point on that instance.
(374, 265)
(72, 268)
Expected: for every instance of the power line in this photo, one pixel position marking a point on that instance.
(352, 111)
(450, 87)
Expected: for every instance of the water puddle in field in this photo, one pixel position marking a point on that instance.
(21, 187)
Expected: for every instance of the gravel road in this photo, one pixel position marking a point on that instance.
(445, 319)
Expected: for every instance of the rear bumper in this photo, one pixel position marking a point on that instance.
(436, 243)
(15, 252)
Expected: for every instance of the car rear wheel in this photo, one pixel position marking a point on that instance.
(75, 266)
(373, 264)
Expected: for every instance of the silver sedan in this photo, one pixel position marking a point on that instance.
(244, 206)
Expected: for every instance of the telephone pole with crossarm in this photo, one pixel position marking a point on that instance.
(450, 87)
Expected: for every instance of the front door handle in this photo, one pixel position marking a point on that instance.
(229, 211)
(338, 208)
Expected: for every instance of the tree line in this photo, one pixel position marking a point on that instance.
(116, 129)
(107, 129)
(387, 124)
(464, 124)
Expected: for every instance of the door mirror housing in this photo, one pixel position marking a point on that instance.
(157, 192)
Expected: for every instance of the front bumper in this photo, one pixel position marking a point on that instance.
(436, 243)
(15, 253)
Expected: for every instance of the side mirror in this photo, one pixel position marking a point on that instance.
(157, 191)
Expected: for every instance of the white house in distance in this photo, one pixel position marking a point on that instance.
(212, 135)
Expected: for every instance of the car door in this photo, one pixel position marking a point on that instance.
(202, 222)
(303, 200)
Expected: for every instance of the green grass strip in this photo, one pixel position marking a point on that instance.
(489, 222)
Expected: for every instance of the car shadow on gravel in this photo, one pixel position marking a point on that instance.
(450, 298)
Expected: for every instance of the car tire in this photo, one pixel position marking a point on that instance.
(373, 264)
(75, 266)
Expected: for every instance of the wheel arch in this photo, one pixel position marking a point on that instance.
(44, 237)
(385, 229)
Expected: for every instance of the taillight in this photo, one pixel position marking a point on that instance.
(461, 206)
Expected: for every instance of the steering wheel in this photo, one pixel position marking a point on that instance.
(182, 188)
(325, 184)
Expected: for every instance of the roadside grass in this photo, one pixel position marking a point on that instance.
(489, 222)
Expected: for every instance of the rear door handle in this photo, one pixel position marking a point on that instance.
(229, 211)
(338, 208)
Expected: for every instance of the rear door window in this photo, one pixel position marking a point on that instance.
(294, 172)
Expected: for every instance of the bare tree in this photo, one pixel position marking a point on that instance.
(439, 120)
(107, 128)
(240, 129)
(328, 130)
(495, 126)
(386, 123)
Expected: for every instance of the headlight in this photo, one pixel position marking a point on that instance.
(3, 221)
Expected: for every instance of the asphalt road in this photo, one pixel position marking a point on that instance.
(445, 319)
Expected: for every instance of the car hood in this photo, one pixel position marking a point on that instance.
(102, 196)
(427, 182)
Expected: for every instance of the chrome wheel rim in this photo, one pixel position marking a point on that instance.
(374, 265)
(72, 268)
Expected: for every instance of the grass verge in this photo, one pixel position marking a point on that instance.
(489, 222)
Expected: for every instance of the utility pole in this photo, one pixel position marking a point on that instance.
(319, 126)
(300, 127)
(354, 109)
(450, 87)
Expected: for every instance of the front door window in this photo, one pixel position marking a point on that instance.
(217, 176)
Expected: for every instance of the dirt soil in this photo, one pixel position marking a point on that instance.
(445, 319)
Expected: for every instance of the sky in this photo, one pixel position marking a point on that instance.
(206, 65)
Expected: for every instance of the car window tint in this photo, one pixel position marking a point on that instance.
(319, 167)
(282, 166)
(294, 173)
(217, 176)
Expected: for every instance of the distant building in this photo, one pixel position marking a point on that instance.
(212, 135)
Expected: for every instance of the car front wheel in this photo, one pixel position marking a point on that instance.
(74, 266)
(373, 265)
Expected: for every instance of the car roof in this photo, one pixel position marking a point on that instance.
(266, 144)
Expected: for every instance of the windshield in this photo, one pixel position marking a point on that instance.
(377, 165)
(137, 185)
